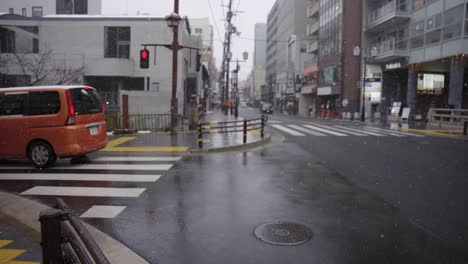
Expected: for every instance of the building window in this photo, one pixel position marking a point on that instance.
(417, 34)
(11, 11)
(117, 42)
(35, 46)
(7, 40)
(433, 29)
(466, 21)
(23, 12)
(37, 11)
(453, 23)
(72, 6)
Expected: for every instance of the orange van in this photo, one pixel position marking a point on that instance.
(50, 122)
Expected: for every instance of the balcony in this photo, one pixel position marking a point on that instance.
(312, 47)
(313, 10)
(389, 15)
(390, 50)
(313, 28)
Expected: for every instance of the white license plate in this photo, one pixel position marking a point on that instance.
(93, 131)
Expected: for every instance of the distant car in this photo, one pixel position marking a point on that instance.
(50, 122)
(266, 109)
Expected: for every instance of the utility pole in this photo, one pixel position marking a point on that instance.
(175, 53)
(227, 55)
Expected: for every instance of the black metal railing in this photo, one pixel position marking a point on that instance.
(64, 238)
(232, 127)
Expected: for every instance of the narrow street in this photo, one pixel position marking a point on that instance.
(362, 204)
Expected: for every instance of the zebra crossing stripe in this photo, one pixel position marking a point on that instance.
(126, 167)
(326, 131)
(103, 211)
(361, 131)
(79, 177)
(396, 132)
(137, 159)
(308, 131)
(340, 130)
(288, 131)
(383, 132)
(84, 191)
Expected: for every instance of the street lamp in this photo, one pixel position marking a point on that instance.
(173, 22)
(245, 56)
(373, 53)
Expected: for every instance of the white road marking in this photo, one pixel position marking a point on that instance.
(397, 132)
(326, 131)
(341, 130)
(79, 177)
(305, 130)
(383, 132)
(361, 131)
(289, 131)
(84, 191)
(166, 159)
(137, 167)
(103, 211)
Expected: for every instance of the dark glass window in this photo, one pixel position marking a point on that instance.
(117, 42)
(7, 40)
(85, 101)
(37, 11)
(43, 103)
(35, 46)
(23, 12)
(453, 23)
(12, 104)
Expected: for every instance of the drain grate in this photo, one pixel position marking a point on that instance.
(283, 233)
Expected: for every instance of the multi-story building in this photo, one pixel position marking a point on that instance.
(286, 44)
(38, 8)
(307, 97)
(101, 51)
(419, 53)
(271, 93)
(340, 33)
(259, 62)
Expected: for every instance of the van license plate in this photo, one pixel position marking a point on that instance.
(93, 131)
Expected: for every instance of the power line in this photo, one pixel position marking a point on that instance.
(214, 20)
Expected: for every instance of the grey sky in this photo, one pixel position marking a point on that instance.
(255, 11)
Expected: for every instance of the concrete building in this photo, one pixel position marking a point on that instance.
(340, 33)
(271, 90)
(107, 49)
(38, 8)
(308, 95)
(259, 62)
(419, 58)
(286, 44)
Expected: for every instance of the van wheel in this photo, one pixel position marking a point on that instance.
(42, 155)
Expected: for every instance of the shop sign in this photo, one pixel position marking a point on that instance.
(395, 65)
(324, 91)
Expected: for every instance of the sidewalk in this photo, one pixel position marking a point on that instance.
(186, 141)
(17, 246)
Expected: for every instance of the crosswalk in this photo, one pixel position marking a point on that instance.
(322, 130)
(92, 178)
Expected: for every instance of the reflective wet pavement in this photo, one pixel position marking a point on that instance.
(365, 199)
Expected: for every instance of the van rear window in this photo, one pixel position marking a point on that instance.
(85, 101)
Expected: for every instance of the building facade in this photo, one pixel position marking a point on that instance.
(259, 62)
(271, 89)
(420, 49)
(38, 8)
(104, 52)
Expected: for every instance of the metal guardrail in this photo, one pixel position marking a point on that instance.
(447, 117)
(232, 127)
(62, 244)
(156, 122)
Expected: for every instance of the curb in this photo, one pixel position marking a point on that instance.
(26, 212)
(234, 147)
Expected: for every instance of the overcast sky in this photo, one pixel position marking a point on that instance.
(255, 11)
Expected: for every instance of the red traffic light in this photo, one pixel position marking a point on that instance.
(144, 54)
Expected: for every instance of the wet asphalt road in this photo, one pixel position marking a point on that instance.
(366, 200)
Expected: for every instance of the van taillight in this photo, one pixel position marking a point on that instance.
(71, 109)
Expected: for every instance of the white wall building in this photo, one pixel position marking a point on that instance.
(108, 48)
(37, 8)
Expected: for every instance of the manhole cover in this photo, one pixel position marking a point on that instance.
(283, 233)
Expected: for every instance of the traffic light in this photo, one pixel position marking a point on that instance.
(144, 58)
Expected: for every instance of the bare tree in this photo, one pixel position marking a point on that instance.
(43, 68)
